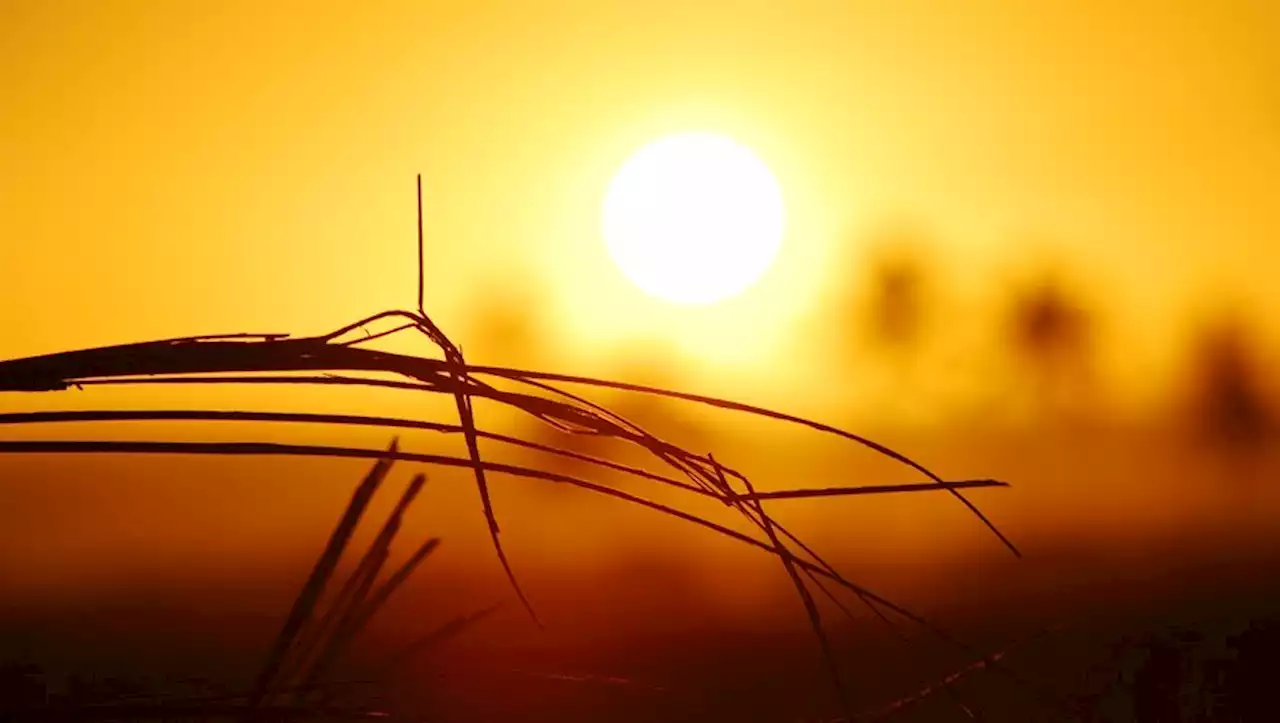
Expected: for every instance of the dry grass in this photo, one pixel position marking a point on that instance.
(344, 357)
(293, 682)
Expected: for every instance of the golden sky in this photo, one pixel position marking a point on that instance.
(177, 168)
(207, 166)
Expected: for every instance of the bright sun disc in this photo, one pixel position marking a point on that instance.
(694, 218)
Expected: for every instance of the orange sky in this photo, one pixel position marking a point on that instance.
(170, 169)
(177, 168)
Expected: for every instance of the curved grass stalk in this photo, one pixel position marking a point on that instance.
(271, 359)
(332, 359)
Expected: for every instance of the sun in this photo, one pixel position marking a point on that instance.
(694, 218)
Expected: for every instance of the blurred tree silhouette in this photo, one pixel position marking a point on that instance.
(1049, 329)
(1051, 335)
(1229, 400)
(895, 311)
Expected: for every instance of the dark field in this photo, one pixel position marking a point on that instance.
(1155, 600)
